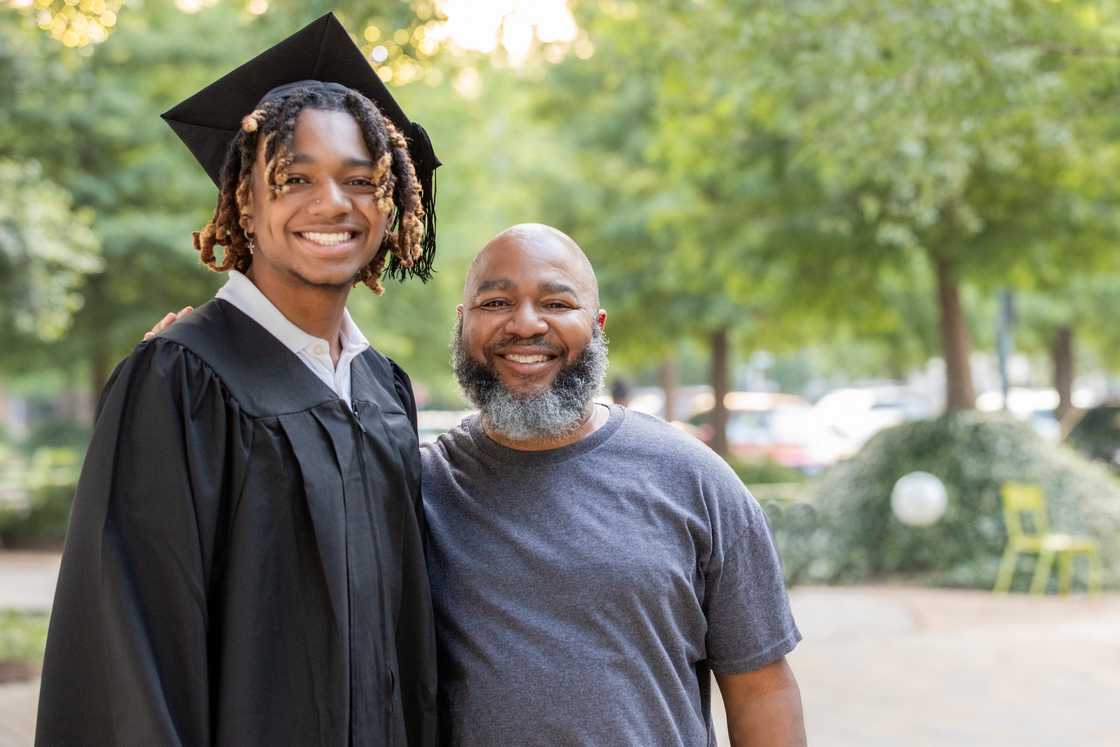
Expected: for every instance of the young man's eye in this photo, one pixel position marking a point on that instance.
(293, 180)
(362, 182)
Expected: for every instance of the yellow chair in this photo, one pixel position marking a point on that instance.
(1021, 500)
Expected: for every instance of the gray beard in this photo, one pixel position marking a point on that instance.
(549, 414)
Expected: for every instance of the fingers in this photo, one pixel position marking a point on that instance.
(168, 319)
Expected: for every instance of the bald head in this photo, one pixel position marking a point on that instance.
(537, 245)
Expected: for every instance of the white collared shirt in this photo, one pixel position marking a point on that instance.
(315, 352)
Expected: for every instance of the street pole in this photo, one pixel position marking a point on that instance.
(1004, 335)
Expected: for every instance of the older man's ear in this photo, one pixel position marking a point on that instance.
(170, 318)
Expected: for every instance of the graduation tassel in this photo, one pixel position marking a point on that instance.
(425, 162)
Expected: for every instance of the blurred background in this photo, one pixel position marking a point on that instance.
(841, 243)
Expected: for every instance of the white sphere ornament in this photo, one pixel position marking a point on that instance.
(919, 499)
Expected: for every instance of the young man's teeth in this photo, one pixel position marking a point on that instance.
(327, 238)
(527, 358)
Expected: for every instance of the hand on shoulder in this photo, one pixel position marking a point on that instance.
(170, 318)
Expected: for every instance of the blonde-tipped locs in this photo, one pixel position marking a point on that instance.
(272, 127)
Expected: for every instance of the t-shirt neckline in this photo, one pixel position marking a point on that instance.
(505, 454)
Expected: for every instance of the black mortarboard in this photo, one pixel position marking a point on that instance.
(322, 51)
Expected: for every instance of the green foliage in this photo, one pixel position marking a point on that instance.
(854, 536)
(46, 250)
(766, 471)
(796, 201)
(23, 635)
(48, 478)
(1080, 300)
(44, 522)
(63, 440)
(802, 198)
(91, 119)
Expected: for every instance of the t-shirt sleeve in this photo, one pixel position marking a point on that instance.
(750, 623)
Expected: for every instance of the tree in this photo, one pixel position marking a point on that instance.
(851, 140)
(46, 250)
(948, 129)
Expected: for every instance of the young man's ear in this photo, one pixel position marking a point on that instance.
(250, 227)
(246, 211)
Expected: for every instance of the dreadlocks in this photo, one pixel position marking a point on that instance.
(273, 124)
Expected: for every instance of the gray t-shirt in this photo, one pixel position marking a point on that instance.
(583, 594)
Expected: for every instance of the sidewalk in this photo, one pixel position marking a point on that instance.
(27, 579)
(912, 667)
(880, 666)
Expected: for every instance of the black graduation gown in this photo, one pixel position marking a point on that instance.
(244, 563)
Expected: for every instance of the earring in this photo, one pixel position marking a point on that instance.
(249, 238)
(251, 245)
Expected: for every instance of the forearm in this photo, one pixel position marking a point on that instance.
(771, 719)
(763, 707)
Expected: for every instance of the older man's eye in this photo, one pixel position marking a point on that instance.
(494, 303)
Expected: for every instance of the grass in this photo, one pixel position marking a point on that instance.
(23, 635)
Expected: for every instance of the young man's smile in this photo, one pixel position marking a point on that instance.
(331, 243)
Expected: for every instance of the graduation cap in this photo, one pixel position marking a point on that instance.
(322, 52)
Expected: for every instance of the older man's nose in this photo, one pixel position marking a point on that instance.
(526, 322)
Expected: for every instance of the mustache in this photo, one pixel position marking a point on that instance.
(537, 341)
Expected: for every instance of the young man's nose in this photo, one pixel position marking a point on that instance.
(330, 199)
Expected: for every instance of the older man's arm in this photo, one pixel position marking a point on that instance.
(763, 707)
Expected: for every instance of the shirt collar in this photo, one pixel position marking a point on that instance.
(247, 297)
(352, 339)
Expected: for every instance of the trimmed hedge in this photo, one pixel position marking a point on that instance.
(48, 481)
(847, 532)
(765, 472)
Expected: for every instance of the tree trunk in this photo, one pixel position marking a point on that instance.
(1061, 353)
(719, 377)
(667, 378)
(959, 392)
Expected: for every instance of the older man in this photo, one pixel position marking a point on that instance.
(590, 566)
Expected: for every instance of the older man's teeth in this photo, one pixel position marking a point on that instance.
(526, 358)
(328, 239)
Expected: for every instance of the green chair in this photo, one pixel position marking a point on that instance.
(1024, 501)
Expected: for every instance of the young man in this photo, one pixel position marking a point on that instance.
(590, 566)
(244, 564)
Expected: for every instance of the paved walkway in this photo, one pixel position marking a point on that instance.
(27, 579)
(879, 666)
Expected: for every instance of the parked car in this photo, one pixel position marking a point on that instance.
(1096, 434)
(434, 423)
(767, 425)
(852, 415)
